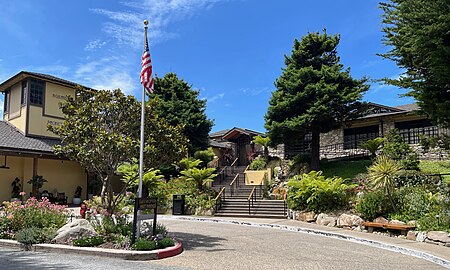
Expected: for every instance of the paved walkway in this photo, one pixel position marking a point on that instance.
(211, 245)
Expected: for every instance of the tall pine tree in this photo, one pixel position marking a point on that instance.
(179, 104)
(314, 93)
(418, 33)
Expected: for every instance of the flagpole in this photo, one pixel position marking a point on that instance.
(141, 150)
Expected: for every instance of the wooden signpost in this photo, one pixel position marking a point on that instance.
(144, 204)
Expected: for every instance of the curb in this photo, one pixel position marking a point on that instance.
(407, 251)
(102, 252)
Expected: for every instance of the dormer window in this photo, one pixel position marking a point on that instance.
(6, 101)
(23, 99)
(36, 92)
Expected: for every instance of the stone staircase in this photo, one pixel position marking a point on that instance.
(235, 203)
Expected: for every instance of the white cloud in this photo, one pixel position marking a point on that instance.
(94, 45)
(55, 69)
(255, 91)
(107, 73)
(215, 98)
(126, 26)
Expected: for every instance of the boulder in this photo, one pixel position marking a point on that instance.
(412, 223)
(306, 216)
(73, 230)
(346, 220)
(381, 220)
(326, 220)
(438, 237)
(412, 235)
(397, 222)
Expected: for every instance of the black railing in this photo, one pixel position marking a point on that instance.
(222, 174)
(253, 197)
(233, 166)
(234, 184)
(219, 199)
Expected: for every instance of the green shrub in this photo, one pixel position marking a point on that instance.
(205, 156)
(89, 241)
(258, 164)
(33, 235)
(397, 149)
(34, 213)
(314, 192)
(143, 244)
(166, 242)
(373, 205)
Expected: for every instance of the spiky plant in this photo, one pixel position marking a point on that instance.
(382, 175)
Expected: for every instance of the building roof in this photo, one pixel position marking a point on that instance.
(388, 111)
(237, 132)
(25, 74)
(409, 107)
(218, 133)
(14, 141)
(215, 144)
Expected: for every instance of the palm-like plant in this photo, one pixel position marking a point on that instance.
(382, 175)
(263, 141)
(189, 163)
(130, 176)
(200, 177)
(373, 146)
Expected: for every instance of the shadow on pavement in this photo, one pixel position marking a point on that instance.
(14, 260)
(192, 241)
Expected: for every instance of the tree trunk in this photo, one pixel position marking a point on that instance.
(315, 148)
(104, 191)
(266, 153)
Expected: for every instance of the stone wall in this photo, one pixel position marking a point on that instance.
(336, 136)
(278, 151)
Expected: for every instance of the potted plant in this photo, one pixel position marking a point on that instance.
(77, 196)
(37, 182)
(16, 188)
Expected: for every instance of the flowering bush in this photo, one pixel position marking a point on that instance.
(34, 213)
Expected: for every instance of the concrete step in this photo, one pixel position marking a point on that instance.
(246, 215)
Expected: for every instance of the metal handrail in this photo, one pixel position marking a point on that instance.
(251, 198)
(233, 166)
(218, 203)
(232, 182)
(222, 174)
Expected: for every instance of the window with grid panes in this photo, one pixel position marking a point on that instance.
(36, 92)
(353, 137)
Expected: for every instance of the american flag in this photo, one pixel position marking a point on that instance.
(147, 69)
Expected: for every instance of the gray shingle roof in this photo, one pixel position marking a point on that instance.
(11, 139)
(409, 107)
(213, 143)
(218, 133)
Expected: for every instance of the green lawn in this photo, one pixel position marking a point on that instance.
(345, 169)
(435, 167)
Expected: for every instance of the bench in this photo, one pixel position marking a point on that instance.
(402, 228)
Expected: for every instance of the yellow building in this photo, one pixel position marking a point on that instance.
(31, 103)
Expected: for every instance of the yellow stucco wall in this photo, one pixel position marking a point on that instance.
(54, 94)
(14, 104)
(61, 176)
(37, 124)
(20, 122)
(257, 177)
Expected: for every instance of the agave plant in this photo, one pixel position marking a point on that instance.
(382, 175)
(200, 177)
(373, 146)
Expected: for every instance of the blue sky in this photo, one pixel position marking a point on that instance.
(231, 50)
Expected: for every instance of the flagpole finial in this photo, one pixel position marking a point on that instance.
(145, 22)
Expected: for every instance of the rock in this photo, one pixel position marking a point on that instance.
(421, 236)
(346, 220)
(76, 229)
(397, 222)
(438, 237)
(381, 220)
(412, 223)
(411, 235)
(306, 216)
(326, 220)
